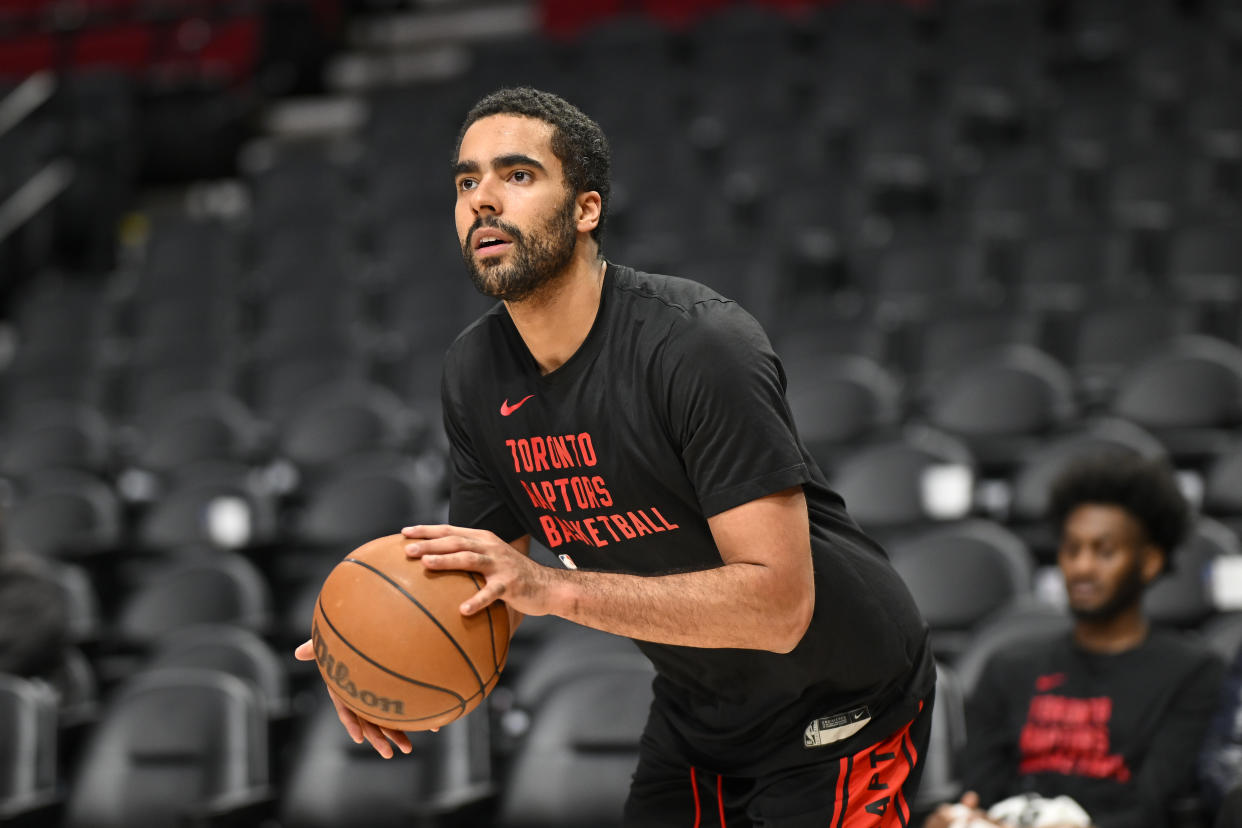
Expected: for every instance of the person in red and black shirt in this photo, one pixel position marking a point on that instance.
(1112, 714)
(637, 425)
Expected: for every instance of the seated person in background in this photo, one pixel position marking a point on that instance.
(1221, 763)
(34, 622)
(1111, 715)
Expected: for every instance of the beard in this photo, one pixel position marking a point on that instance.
(535, 261)
(1128, 593)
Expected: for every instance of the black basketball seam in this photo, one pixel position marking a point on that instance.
(434, 620)
(462, 701)
(490, 624)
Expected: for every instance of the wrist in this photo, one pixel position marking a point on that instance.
(561, 594)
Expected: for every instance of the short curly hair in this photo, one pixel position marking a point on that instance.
(1145, 489)
(577, 141)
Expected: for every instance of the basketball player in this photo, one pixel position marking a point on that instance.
(637, 426)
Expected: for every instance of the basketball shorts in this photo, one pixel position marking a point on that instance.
(868, 789)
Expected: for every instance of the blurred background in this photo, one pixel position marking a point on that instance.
(985, 236)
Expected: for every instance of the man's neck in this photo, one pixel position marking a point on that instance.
(1124, 631)
(555, 322)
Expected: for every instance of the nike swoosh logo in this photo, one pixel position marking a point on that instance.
(506, 409)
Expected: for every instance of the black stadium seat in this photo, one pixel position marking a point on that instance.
(29, 784)
(175, 745)
(961, 574)
(219, 587)
(574, 766)
(446, 782)
(1188, 393)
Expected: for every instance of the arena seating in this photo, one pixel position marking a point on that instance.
(985, 236)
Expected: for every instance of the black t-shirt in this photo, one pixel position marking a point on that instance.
(673, 410)
(1119, 733)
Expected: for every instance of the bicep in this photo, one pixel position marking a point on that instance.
(773, 531)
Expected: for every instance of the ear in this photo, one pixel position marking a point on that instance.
(589, 208)
(1153, 562)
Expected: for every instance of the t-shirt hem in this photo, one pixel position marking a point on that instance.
(756, 487)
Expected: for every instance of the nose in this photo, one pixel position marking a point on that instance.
(485, 197)
(1077, 563)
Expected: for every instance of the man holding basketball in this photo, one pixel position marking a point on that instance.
(637, 426)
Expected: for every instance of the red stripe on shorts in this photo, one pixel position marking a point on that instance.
(870, 794)
(698, 811)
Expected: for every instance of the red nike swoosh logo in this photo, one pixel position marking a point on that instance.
(506, 409)
(1045, 683)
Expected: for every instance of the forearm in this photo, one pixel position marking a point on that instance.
(740, 605)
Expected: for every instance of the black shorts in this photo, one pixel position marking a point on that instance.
(869, 789)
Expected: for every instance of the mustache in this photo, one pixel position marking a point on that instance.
(495, 224)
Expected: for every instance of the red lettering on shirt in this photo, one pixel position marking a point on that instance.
(1070, 736)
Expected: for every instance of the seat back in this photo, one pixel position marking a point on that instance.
(229, 649)
(960, 574)
(223, 588)
(574, 768)
(446, 780)
(171, 742)
(28, 739)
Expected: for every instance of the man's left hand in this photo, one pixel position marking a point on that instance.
(523, 584)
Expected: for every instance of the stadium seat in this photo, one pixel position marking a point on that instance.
(941, 781)
(1003, 402)
(574, 767)
(1108, 338)
(63, 435)
(922, 477)
(1015, 622)
(1024, 505)
(29, 787)
(565, 651)
(839, 402)
(230, 649)
(175, 747)
(1059, 271)
(1222, 488)
(1224, 634)
(65, 513)
(943, 343)
(218, 587)
(911, 280)
(364, 498)
(1182, 597)
(1189, 394)
(338, 420)
(446, 782)
(960, 575)
(200, 425)
(211, 505)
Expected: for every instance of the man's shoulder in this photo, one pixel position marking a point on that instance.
(478, 335)
(1176, 648)
(685, 314)
(1031, 655)
(660, 293)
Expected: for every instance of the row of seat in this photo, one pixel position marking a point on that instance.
(536, 754)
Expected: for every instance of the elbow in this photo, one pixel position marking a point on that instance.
(796, 617)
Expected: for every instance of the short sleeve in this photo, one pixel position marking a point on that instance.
(727, 409)
(474, 500)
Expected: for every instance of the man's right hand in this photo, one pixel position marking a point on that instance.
(962, 814)
(358, 727)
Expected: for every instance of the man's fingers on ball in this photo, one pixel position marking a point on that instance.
(305, 651)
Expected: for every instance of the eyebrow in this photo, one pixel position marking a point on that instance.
(516, 159)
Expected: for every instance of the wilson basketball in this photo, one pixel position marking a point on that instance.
(391, 641)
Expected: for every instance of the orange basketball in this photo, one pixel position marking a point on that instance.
(391, 641)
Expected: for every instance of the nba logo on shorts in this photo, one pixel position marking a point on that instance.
(568, 561)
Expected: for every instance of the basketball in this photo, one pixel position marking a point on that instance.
(391, 641)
